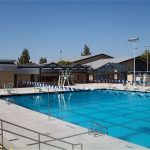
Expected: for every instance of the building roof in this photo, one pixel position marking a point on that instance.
(54, 67)
(99, 63)
(90, 58)
(28, 66)
(138, 57)
(7, 61)
(110, 67)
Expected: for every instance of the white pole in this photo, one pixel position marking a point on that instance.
(147, 60)
(60, 56)
(134, 65)
(48, 105)
(133, 40)
(147, 50)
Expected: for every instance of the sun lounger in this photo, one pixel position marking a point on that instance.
(8, 88)
(147, 89)
(135, 88)
(126, 87)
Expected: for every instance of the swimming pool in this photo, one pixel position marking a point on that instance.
(125, 114)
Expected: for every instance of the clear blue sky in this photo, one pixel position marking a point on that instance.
(45, 27)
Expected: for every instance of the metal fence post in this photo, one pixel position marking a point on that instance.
(2, 135)
(39, 141)
(48, 104)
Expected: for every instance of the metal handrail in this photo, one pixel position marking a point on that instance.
(73, 145)
(103, 129)
(39, 135)
(2, 148)
(100, 125)
(65, 138)
(80, 144)
(39, 142)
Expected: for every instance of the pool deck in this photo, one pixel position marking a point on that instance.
(87, 86)
(55, 128)
(114, 86)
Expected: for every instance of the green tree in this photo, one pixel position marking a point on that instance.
(144, 54)
(63, 62)
(24, 57)
(86, 51)
(42, 60)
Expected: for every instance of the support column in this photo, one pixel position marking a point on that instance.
(87, 76)
(15, 80)
(40, 74)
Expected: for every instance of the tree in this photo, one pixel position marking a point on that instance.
(144, 54)
(24, 57)
(86, 51)
(63, 62)
(42, 60)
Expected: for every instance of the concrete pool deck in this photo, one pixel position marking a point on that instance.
(113, 86)
(55, 128)
(87, 86)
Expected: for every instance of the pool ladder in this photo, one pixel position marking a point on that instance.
(97, 129)
(10, 101)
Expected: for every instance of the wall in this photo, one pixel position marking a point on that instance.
(91, 78)
(79, 77)
(130, 77)
(139, 65)
(6, 77)
(21, 78)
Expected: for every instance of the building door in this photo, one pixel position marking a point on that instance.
(32, 77)
(15, 80)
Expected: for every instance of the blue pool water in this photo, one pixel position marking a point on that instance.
(125, 114)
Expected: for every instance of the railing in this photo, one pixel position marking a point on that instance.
(38, 140)
(98, 129)
(1, 147)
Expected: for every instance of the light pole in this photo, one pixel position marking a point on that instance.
(133, 41)
(60, 56)
(147, 52)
